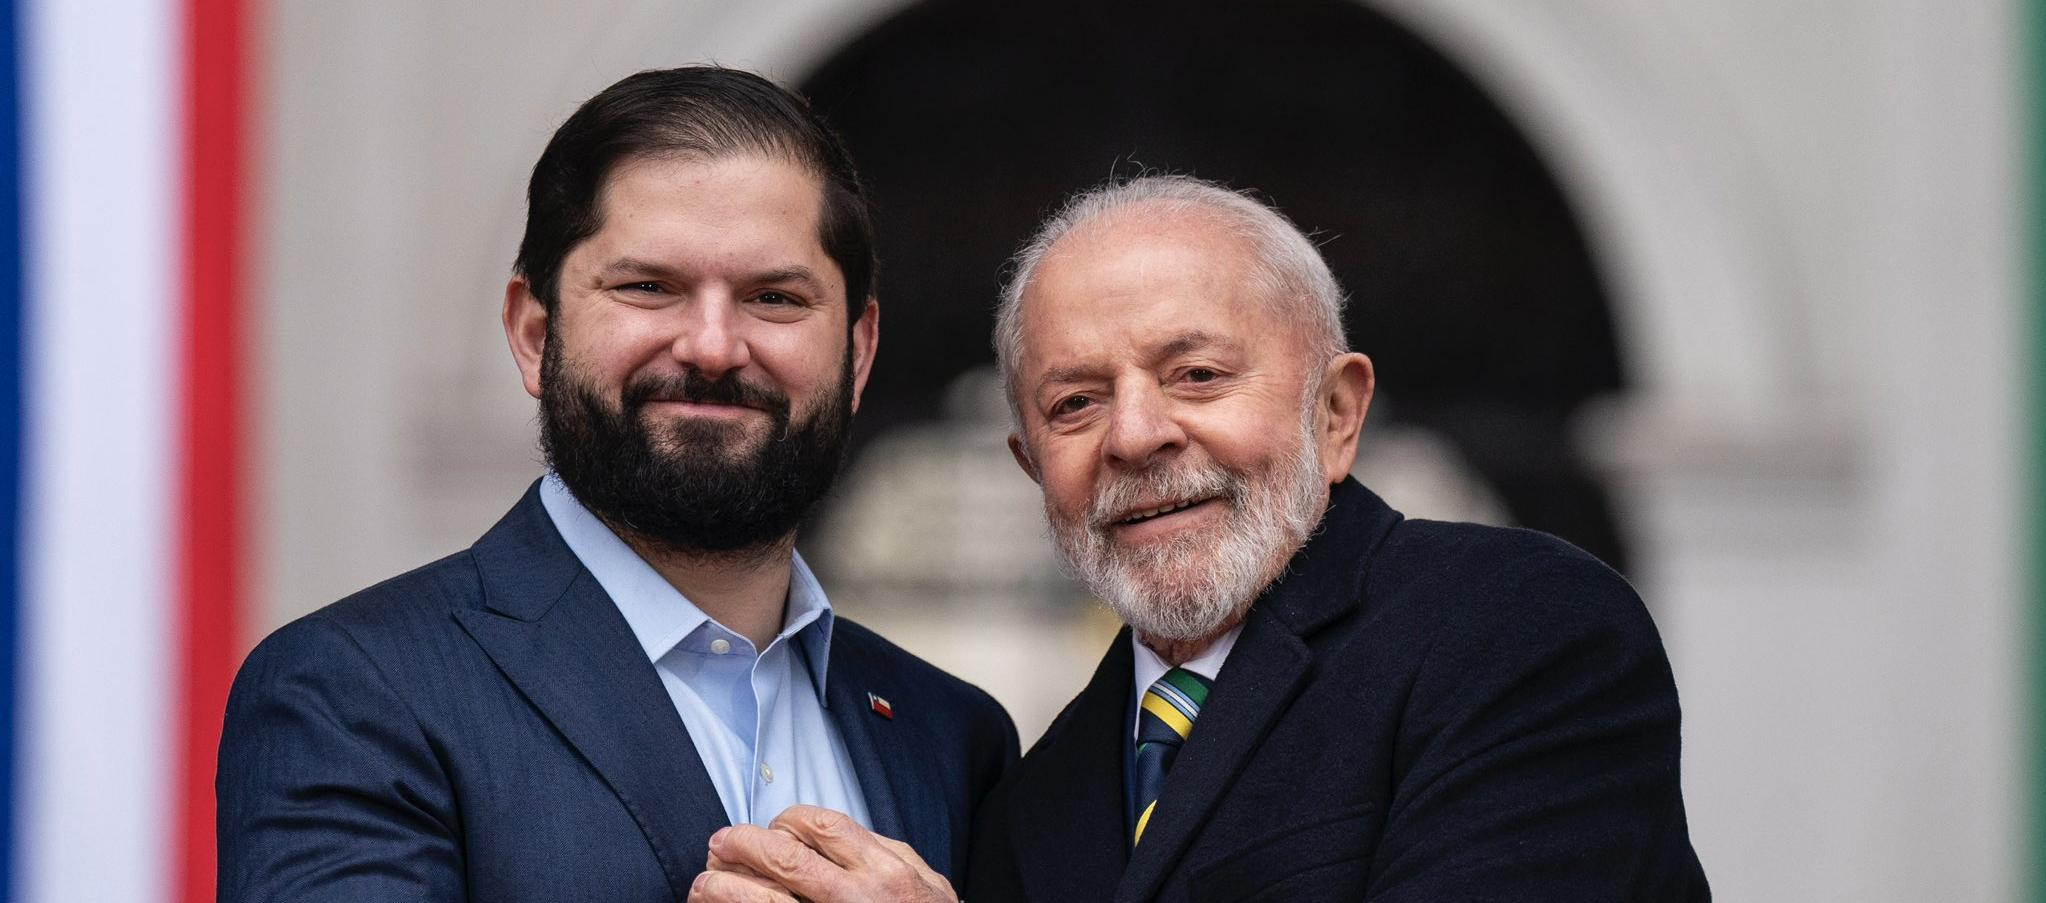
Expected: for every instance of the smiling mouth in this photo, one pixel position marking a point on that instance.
(1146, 514)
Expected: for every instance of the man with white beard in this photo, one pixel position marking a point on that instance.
(1316, 698)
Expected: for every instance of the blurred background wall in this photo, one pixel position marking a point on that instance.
(1731, 294)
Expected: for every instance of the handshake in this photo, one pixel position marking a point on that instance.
(814, 854)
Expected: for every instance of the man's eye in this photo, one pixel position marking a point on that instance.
(774, 298)
(1202, 375)
(649, 287)
(1071, 404)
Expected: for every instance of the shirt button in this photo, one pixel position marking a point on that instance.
(720, 646)
(766, 773)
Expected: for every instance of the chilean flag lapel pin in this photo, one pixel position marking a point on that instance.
(881, 707)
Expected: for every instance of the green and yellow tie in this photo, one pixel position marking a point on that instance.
(1164, 719)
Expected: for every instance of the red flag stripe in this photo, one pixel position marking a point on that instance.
(210, 490)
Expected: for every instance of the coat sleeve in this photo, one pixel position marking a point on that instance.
(328, 788)
(1538, 760)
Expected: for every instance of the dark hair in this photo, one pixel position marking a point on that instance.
(705, 111)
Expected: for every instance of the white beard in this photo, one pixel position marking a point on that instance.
(1195, 585)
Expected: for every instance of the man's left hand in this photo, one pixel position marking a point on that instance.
(815, 854)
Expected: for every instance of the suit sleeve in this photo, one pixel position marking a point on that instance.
(328, 788)
(1539, 760)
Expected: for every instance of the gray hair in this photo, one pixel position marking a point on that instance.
(1288, 272)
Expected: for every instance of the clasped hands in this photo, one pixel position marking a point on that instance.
(814, 854)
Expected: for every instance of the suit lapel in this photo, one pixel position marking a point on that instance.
(1264, 672)
(1070, 831)
(889, 769)
(554, 633)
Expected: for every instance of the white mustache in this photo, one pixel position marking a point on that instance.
(1149, 487)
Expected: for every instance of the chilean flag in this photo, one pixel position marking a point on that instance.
(121, 428)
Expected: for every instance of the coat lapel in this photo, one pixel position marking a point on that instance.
(1070, 832)
(554, 633)
(890, 770)
(1264, 672)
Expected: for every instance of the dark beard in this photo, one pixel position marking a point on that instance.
(692, 492)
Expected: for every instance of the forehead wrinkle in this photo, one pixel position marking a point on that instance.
(1148, 222)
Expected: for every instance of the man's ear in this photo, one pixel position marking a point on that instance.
(1022, 456)
(1346, 387)
(866, 339)
(525, 328)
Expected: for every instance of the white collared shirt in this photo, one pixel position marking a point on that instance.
(757, 717)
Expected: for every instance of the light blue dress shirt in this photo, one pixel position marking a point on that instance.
(756, 716)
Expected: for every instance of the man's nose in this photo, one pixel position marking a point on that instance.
(711, 338)
(1141, 428)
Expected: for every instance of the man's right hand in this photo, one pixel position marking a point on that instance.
(815, 854)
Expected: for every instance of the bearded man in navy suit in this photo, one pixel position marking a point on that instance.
(1316, 699)
(634, 657)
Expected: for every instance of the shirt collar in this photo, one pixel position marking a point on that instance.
(659, 615)
(1149, 667)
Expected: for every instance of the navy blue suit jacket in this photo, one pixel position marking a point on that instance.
(487, 728)
(1417, 712)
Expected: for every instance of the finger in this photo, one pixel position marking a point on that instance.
(836, 836)
(878, 863)
(713, 864)
(726, 887)
(781, 858)
(908, 854)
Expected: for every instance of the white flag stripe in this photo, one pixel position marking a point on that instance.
(102, 138)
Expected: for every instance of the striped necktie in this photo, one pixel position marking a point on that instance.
(1164, 719)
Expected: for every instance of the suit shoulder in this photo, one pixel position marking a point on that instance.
(1511, 626)
(1501, 578)
(428, 591)
(1479, 549)
(389, 623)
(451, 582)
(1056, 729)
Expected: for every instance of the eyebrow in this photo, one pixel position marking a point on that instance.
(633, 266)
(1057, 375)
(1187, 342)
(1184, 343)
(626, 267)
(787, 274)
